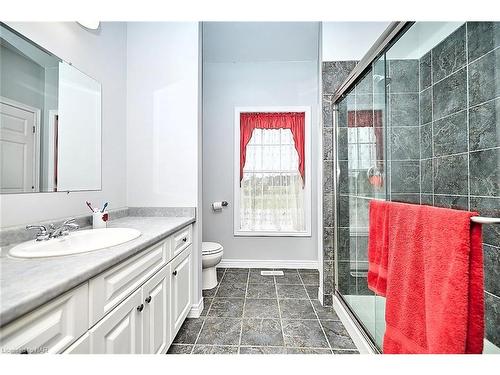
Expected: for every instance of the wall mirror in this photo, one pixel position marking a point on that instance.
(50, 121)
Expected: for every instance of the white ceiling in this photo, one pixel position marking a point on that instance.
(260, 41)
(344, 41)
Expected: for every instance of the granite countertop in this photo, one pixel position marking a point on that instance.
(26, 284)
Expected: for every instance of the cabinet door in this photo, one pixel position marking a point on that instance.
(181, 279)
(156, 299)
(120, 332)
(80, 346)
(50, 328)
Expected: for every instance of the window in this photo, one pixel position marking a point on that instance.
(365, 148)
(272, 184)
(361, 149)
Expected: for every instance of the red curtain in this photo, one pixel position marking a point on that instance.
(295, 121)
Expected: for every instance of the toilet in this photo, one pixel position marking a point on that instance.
(211, 255)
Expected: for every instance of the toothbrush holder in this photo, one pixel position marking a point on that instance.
(99, 219)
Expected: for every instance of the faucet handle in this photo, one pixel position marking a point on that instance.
(41, 228)
(73, 226)
(42, 231)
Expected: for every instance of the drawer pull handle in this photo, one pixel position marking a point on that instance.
(174, 273)
(148, 300)
(184, 239)
(140, 307)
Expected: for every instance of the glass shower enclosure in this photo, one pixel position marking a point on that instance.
(419, 123)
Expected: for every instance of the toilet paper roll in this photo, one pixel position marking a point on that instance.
(217, 206)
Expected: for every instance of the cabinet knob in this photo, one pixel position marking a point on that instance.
(148, 300)
(184, 239)
(174, 273)
(140, 307)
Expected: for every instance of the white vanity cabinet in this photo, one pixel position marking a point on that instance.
(136, 306)
(148, 320)
(50, 328)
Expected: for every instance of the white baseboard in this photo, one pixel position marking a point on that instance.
(359, 340)
(257, 263)
(196, 309)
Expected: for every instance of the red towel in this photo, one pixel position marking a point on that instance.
(428, 263)
(378, 246)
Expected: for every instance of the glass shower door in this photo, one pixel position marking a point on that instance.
(420, 127)
(361, 161)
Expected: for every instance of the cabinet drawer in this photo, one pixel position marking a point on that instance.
(181, 240)
(112, 286)
(50, 328)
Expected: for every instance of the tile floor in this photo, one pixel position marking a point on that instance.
(248, 313)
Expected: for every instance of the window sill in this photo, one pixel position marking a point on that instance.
(271, 234)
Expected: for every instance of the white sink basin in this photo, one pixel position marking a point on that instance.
(81, 241)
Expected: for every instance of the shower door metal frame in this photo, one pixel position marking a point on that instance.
(390, 35)
(336, 191)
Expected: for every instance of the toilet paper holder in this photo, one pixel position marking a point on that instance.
(223, 203)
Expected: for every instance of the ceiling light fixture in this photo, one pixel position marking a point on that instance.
(92, 25)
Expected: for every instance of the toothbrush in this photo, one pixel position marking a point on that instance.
(104, 207)
(89, 205)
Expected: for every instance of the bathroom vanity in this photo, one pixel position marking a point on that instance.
(90, 291)
(130, 298)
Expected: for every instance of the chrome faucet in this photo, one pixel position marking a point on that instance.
(64, 229)
(43, 234)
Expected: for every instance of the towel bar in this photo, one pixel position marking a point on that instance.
(476, 219)
(485, 220)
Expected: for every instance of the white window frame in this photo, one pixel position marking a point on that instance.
(308, 171)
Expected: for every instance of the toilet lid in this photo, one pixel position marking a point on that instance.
(210, 248)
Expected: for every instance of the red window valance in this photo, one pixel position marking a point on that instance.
(369, 118)
(295, 121)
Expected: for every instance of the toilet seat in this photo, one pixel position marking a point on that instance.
(208, 248)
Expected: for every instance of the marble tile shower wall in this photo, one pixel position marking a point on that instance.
(460, 138)
(333, 74)
(403, 150)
